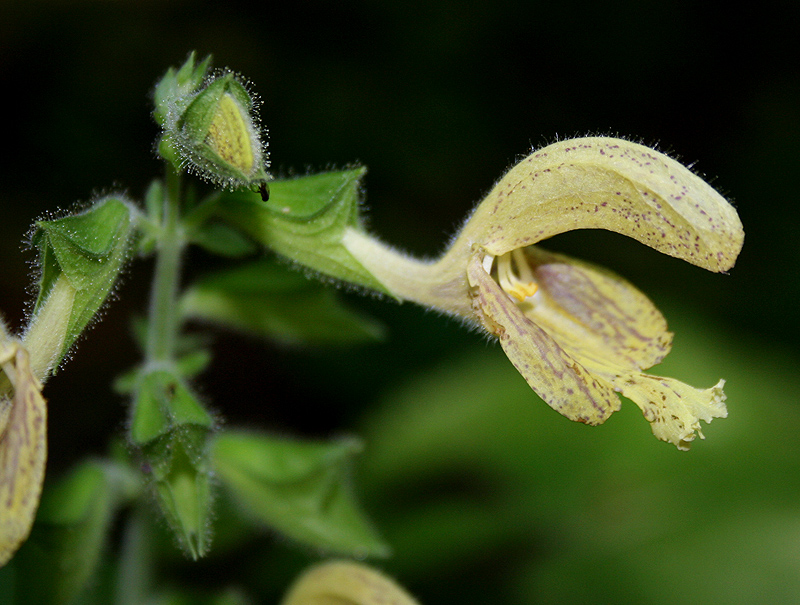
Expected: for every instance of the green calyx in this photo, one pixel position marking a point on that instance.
(171, 428)
(80, 258)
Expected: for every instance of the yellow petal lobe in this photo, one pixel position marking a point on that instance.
(673, 409)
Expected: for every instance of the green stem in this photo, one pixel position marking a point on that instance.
(163, 321)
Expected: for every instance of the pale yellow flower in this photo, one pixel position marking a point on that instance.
(346, 583)
(24, 365)
(23, 445)
(577, 334)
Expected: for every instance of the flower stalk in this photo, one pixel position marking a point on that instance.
(163, 320)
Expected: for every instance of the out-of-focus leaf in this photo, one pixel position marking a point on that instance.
(64, 549)
(89, 249)
(302, 489)
(269, 300)
(466, 465)
(223, 240)
(187, 597)
(304, 220)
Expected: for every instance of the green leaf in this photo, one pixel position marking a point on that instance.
(270, 300)
(304, 220)
(223, 240)
(63, 552)
(89, 249)
(299, 488)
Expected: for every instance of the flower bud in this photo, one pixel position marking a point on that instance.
(171, 428)
(217, 136)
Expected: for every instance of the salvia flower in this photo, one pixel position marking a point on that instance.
(23, 444)
(24, 365)
(578, 334)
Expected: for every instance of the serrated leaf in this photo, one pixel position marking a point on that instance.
(270, 300)
(304, 220)
(89, 250)
(300, 488)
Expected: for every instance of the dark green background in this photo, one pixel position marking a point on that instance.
(437, 99)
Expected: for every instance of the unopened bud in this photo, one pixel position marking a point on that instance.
(171, 428)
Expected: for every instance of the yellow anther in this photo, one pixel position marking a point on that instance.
(522, 291)
(515, 276)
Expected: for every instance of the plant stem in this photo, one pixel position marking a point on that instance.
(163, 320)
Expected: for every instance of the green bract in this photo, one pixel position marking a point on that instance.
(175, 90)
(80, 257)
(171, 427)
(305, 220)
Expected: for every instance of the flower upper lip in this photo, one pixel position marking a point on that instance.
(603, 183)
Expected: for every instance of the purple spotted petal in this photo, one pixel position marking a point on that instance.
(597, 313)
(556, 377)
(605, 183)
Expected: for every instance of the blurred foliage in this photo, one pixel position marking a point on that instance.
(476, 485)
(471, 472)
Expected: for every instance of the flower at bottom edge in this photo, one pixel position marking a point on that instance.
(579, 335)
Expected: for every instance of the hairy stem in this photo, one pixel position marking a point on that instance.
(163, 318)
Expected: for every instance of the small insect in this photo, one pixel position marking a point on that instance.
(264, 191)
